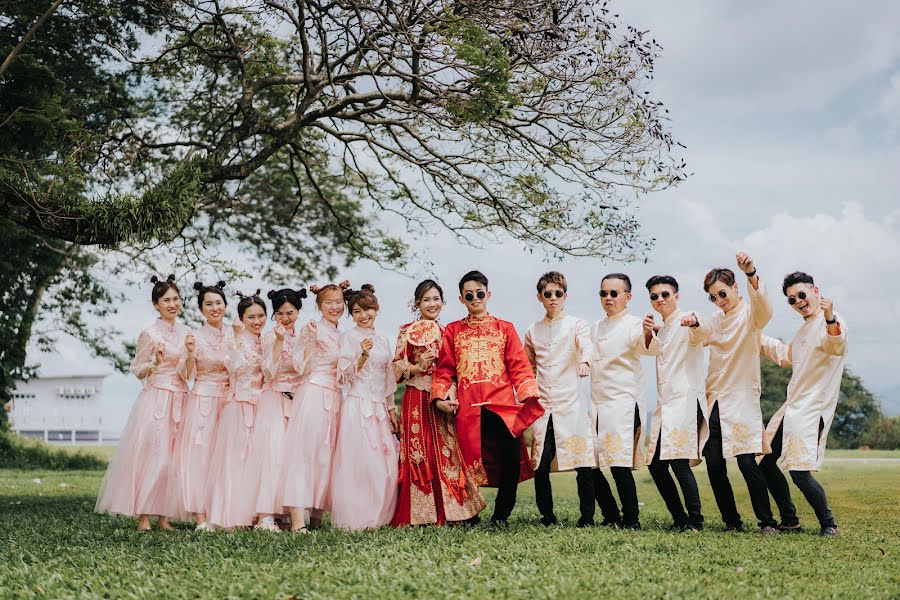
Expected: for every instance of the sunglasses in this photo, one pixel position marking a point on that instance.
(557, 293)
(654, 296)
(801, 295)
(722, 294)
(470, 296)
(611, 293)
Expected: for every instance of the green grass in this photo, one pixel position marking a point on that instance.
(54, 546)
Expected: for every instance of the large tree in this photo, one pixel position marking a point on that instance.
(525, 118)
(307, 131)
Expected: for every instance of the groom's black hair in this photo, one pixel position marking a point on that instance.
(476, 276)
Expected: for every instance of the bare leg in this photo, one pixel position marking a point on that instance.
(143, 523)
(164, 524)
(298, 519)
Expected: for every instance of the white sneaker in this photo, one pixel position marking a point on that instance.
(204, 526)
(267, 524)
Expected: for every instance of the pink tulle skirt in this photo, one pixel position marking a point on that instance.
(231, 497)
(365, 472)
(309, 447)
(193, 449)
(266, 451)
(137, 481)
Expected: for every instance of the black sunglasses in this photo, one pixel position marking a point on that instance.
(792, 301)
(654, 296)
(557, 293)
(722, 294)
(470, 296)
(611, 293)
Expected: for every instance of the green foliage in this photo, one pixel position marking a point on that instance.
(856, 411)
(17, 452)
(489, 93)
(50, 289)
(882, 434)
(56, 547)
(773, 388)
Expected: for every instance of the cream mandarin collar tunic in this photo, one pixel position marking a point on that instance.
(680, 385)
(555, 348)
(617, 389)
(733, 378)
(812, 394)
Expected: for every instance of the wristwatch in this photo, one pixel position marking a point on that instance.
(751, 274)
(832, 321)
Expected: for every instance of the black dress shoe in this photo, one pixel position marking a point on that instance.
(633, 526)
(608, 523)
(790, 528)
(548, 521)
(472, 522)
(500, 523)
(585, 523)
(735, 528)
(829, 531)
(768, 530)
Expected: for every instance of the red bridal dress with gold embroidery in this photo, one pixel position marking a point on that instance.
(484, 357)
(435, 485)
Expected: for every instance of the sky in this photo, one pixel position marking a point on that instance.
(791, 117)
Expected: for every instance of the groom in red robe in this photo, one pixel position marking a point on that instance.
(497, 395)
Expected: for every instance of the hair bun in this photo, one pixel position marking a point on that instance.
(220, 284)
(302, 292)
(240, 294)
(154, 279)
(368, 287)
(258, 292)
(315, 289)
(345, 284)
(170, 278)
(198, 286)
(271, 294)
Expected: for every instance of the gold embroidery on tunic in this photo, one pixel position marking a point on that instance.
(794, 455)
(479, 357)
(742, 441)
(611, 449)
(679, 441)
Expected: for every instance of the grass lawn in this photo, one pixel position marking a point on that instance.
(54, 546)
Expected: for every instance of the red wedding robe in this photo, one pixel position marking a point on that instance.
(486, 360)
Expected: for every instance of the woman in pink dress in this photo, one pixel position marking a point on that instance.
(312, 424)
(281, 379)
(137, 480)
(364, 475)
(231, 495)
(203, 360)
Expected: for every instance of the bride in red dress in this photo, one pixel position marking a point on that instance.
(435, 486)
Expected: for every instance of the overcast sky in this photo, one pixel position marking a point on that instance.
(790, 112)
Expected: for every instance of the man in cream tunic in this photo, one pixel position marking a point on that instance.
(733, 388)
(678, 428)
(559, 348)
(799, 430)
(617, 392)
